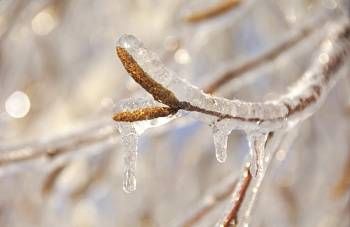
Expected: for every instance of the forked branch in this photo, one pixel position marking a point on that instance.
(297, 104)
(310, 88)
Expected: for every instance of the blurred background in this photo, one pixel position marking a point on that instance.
(59, 81)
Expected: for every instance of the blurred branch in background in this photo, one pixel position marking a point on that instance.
(212, 11)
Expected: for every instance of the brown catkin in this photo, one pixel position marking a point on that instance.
(158, 92)
(147, 113)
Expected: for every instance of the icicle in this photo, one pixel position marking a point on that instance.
(257, 141)
(129, 140)
(129, 136)
(220, 135)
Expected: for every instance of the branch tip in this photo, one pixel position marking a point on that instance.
(158, 91)
(147, 113)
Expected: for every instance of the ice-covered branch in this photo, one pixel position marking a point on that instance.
(147, 70)
(38, 149)
(258, 119)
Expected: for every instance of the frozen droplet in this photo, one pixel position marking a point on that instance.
(220, 135)
(257, 141)
(129, 42)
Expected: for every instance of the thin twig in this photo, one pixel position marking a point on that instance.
(238, 196)
(220, 8)
(266, 57)
(95, 175)
(51, 178)
(248, 188)
(343, 183)
(12, 18)
(56, 146)
(209, 202)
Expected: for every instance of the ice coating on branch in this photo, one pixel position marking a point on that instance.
(257, 141)
(257, 118)
(184, 91)
(221, 132)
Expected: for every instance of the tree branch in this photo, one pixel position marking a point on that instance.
(37, 149)
(56, 146)
(209, 202)
(215, 10)
(238, 196)
(307, 92)
(266, 57)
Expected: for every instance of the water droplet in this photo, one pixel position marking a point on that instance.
(129, 42)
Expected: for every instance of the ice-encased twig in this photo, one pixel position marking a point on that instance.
(87, 136)
(260, 117)
(244, 196)
(266, 116)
